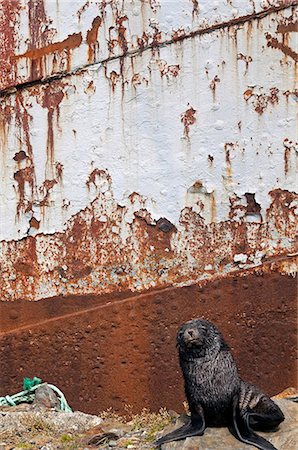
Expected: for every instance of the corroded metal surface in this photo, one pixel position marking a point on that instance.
(166, 163)
(146, 145)
(44, 38)
(117, 352)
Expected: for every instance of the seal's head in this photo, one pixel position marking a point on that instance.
(197, 337)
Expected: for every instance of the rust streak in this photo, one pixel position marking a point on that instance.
(71, 42)
(92, 38)
(47, 186)
(188, 118)
(24, 177)
(177, 36)
(9, 17)
(287, 51)
(52, 98)
(287, 28)
(228, 147)
(195, 8)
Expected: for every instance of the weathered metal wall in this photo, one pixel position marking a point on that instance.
(144, 143)
(114, 352)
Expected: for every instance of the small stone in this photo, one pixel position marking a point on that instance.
(240, 258)
(45, 397)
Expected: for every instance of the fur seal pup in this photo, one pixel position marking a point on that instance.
(216, 394)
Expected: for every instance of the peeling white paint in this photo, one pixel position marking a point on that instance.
(196, 133)
(136, 134)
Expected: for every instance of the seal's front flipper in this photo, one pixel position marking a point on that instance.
(187, 430)
(195, 427)
(240, 428)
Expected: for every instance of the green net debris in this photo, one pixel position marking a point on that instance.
(28, 394)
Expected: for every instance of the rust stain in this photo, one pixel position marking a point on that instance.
(261, 101)
(114, 78)
(237, 210)
(25, 178)
(213, 206)
(293, 94)
(188, 118)
(20, 156)
(288, 147)
(9, 19)
(38, 50)
(92, 245)
(38, 23)
(83, 9)
(215, 80)
(34, 223)
(287, 27)
(120, 29)
(91, 39)
(90, 88)
(39, 32)
(286, 50)
(98, 175)
(52, 97)
(252, 205)
(174, 69)
(59, 171)
(195, 8)
(71, 42)
(197, 186)
(213, 85)
(121, 33)
(228, 147)
(6, 113)
(287, 153)
(23, 119)
(281, 209)
(246, 58)
(136, 79)
(143, 41)
(42, 35)
(87, 330)
(45, 189)
(168, 70)
(247, 94)
(178, 34)
(24, 267)
(253, 208)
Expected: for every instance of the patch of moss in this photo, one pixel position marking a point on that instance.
(24, 445)
(66, 438)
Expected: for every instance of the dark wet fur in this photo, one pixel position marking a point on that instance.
(216, 394)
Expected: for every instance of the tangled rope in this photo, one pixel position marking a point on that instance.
(28, 394)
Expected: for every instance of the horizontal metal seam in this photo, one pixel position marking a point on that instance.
(211, 29)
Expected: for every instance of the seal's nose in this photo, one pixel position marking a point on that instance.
(190, 333)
